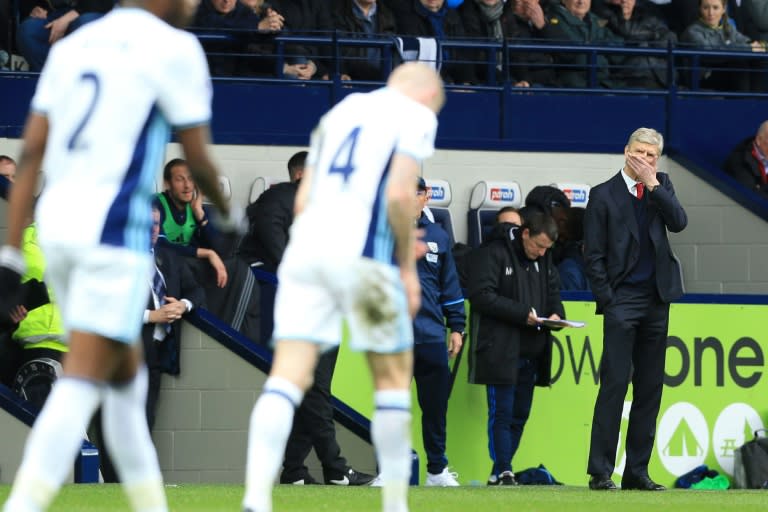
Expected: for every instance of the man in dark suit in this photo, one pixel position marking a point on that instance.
(634, 276)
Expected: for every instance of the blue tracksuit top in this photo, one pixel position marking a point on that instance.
(442, 302)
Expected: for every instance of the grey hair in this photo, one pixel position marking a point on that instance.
(647, 136)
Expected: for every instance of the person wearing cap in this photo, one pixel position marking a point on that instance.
(442, 303)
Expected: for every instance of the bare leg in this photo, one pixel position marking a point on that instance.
(391, 425)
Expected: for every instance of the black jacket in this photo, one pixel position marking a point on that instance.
(412, 22)
(743, 166)
(534, 67)
(354, 62)
(269, 219)
(644, 29)
(611, 238)
(501, 300)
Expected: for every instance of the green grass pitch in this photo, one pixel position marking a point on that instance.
(223, 498)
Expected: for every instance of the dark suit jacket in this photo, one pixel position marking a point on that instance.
(611, 238)
(179, 284)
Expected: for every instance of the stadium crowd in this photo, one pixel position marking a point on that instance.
(239, 37)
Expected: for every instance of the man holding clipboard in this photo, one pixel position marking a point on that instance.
(511, 277)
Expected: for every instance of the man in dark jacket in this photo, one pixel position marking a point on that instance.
(639, 25)
(363, 19)
(270, 217)
(634, 276)
(512, 285)
(748, 162)
(442, 304)
(572, 22)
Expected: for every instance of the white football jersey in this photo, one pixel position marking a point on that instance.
(111, 92)
(350, 153)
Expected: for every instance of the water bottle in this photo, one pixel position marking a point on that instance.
(87, 464)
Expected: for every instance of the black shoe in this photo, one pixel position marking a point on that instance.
(351, 477)
(642, 483)
(507, 478)
(306, 479)
(601, 483)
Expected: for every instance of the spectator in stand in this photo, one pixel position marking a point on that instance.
(47, 22)
(748, 161)
(639, 25)
(512, 282)
(433, 18)
(250, 30)
(513, 19)
(363, 19)
(294, 17)
(712, 31)
(572, 22)
(184, 223)
(7, 167)
(442, 304)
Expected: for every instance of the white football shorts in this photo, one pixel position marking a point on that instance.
(314, 296)
(102, 290)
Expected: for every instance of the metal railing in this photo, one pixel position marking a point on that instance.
(684, 62)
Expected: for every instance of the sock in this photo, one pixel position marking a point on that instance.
(270, 425)
(53, 444)
(391, 434)
(129, 442)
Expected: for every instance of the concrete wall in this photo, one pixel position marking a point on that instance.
(722, 250)
(201, 431)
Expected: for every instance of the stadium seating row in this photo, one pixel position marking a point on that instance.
(486, 199)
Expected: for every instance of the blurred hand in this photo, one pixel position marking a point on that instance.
(645, 171)
(59, 26)
(272, 22)
(412, 290)
(169, 312)
(38, 12)
(18, 314)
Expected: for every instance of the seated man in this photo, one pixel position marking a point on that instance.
(48, 22)
(363, 19)
(184, 224)
(748, 162)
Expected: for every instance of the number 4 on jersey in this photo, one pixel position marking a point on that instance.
(345, 152)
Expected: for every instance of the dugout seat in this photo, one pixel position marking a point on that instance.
(437, 207)
(577, 193)
(486, 199)
(261, 184)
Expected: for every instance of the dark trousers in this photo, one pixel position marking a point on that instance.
(433, 380)
(634, 344)
(508, 411)
(313, 427)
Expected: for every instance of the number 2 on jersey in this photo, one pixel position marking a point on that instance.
(345, 151)
(85, 78)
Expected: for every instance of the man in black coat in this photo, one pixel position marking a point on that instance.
(634, 276)
(512, 283)
(748, 162)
